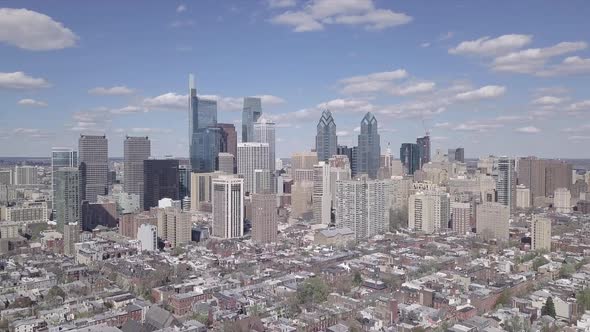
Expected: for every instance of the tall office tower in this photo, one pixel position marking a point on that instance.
(229, 138)
(25, 175)
(506, 183)
(204, 135)
(322, 194)
(492, 221)
(201, 189)
(225, 162)
(429, 211)
(147, 235)
(301, 199)
(6, 176)
(184, 175)
(461, 217)
(71, 235)
(161, 180)
(424, 149)
(228, 207)
(326, 140)
(363, 206)
(264, 218)
(61, 157)
(460, 155)
(523, 197)
(346, 151)
(250, 115)
(369, 147)
(67, 196)
(174, 226)
(409, 154)
(544, 176)
(135, 151)
(252, 156)
(264, 132)
(541, 233)
(93, 154)
(303, 160)
(263, 181)
(562, 200)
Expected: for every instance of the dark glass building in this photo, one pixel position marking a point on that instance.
(409, 154)
(204, 137)
(161, 180)
(369, 147)
(251, 113)
(326, 141)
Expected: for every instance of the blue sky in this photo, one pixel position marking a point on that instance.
(506, 78)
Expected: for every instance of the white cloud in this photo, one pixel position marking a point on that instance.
(580, 106)
(149, 130)
(487, 46)
(113, 91)
(371, 83)
(181, 8)
(486, 92)
(34, 31)
(168, 100)
(425, 45)
(281, 3)
(442, 124)
(343, 133)
(534, 60)
(176, 101)
(270, 100)
(413, 89)
(571, 65)
(128, 110)
(346, 106)
(578, 138)
(32, 103)
(31, 132)
(317, 13)
(528, 130)
(477, 126)
(548, 101)
(20, 80)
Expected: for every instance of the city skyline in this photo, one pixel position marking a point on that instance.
(491, 88)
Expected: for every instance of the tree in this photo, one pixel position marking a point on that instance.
(517, 324)
(357, 280)
(398, 218)
(583, 298)
(549, 308)
(567, 270)
(313, 290)
(504, 299)
(538, 262)
(54, 292)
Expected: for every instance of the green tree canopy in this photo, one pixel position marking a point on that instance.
(549, 308)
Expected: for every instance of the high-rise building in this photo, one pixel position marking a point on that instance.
(204, 135)
(67, 196)
(409, 154)
(303, 160)
(363, 206)
(174, 226)
(135, 151)
(99, 214)
(71, 235)
(252, 156)
(225, 162)
(184, 175)
(523, 197)
(337, 174)
(541, 233)
(94, 166)
(201, 190)
(461, 217)
(229, 138)
(61, 157)
(147, 235)
(264, 132)
(301, 199)
(326, 140)
(161, 180)
(506, 183)
(250, 115)
(346, 151)
(6, 177)
(264, 218)
(562, 200)
(322, 194)
(228, 207)
(369, 147)
(429, 211)
(543, 176)
(492, 221)
(424, 149)
(25, 175)
(456, 155)
(263, 181)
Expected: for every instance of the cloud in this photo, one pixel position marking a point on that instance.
(128, 110)
(33, 31)
(343, 133)
(20, 80)
(168, 100)
(477, 126)
(174, 101)
(487, 46)
(442, 125)
(486, 92)
(372, 82)
(570, 65)
(270, 100)
(113, 91)
(582, 128)
(413, 89)
(31, 132)
(583, 105)
(346, 106)
(144, 130)
(426, 44)
(317, 13)
(528, 130)
(578, 138)
(281, 3)
(181, 8)
(32, 103)
(548, 101)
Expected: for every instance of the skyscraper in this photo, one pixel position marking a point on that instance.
(67, 196)
(148, 237)
(204, 135)
(25, 175)
(409, 154)
(264, 132)
(174, 226)
(225, 162)
(492, 221)
(252, 156)
(250, 115)
(184, 175)
(424, 149)
(322, 194)
(228, 207)
(161, 180)
(461, 217)
(264, 218)
(506, 183)
(541, 233)
(229, 138)
(429, 211)
(71, 235)
(326, 140)
(94, 166)
(61, 157)
(135, 151)
(544, 176)
(369, 147)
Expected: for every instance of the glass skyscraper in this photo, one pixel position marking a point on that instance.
(326, 140)
(409, 154)
(61, 157)
(204, 138)
(251, 113)
(67, 196)
(369, 147)
(424, 147)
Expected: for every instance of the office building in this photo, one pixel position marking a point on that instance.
(492, 221)
(456, 155)
(184, 175)
(264, 218)
(229, 138)
(263, 181)
(250, 115)
(424, 149)
(506, 183)
(301, 199)
(304, 160)
(410, 157)
(541, 233)
(461, 217)
(264, 132)
(94, 166)
(60, 157)
(161, 180)
(326, 140)
(228, 207)
(226, 162)
(6, 176)
(544, 176)
(429, 211)
(201, 190)
(252, 156)
(523, 197)
(363, 206)
(135, 151)
(562, 200)
(25, 175)
(71, 235)
(369, 147)
(147, 235)
(99, 214)
(337, 174)
(351, 153)
(173, 226)
(204, 136)
(28, 212)
(66, 196)
(322, 194)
